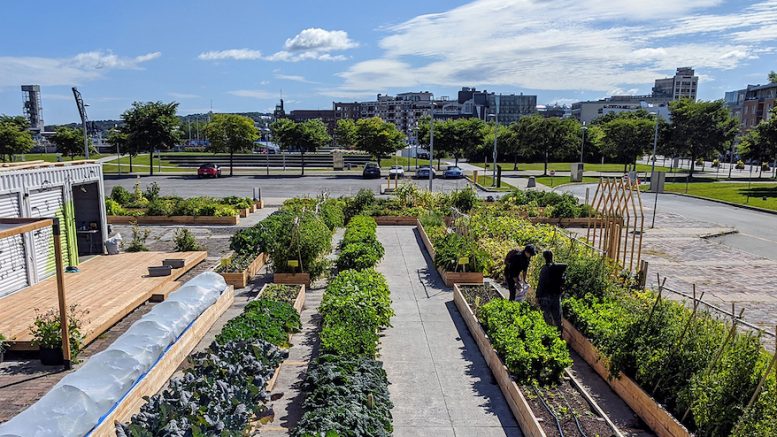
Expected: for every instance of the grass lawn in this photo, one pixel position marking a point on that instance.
(734, 192)
(403, 161)
(488, 181)
(560, 180)
(566, 166)
(52, 157)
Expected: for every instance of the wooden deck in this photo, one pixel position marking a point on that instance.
(108, 287)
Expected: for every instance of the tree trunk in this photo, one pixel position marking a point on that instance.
(303, 163)
(151, 162)
(130, 162)
(438, 164)
(515, 163)
(693, 166)
(545, 171)
(231, 154)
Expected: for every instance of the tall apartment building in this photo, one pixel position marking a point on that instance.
(405, 109)
(683, 85)
(759, 100)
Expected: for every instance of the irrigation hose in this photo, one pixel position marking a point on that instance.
(574, 416)
(547, 407)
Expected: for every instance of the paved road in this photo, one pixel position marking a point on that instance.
(440, 383)
(755, 229)
(274, 188)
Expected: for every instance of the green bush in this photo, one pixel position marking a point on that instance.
(160, 207)
(262, 319)
(120, 195)
(303, 237)
(237, 202)
(451, 247)
(258, 238)
(464, 200)
(350, 326)
(331, 212)
(360, 256)
(370, 286)
(185, 241)
(113, 207)
(532, 350)
(358, 203)
(758, 420)
(152, 191)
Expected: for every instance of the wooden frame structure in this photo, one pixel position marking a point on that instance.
(618, 232)
(15, 226)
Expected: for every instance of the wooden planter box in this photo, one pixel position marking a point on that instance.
(244, 212)
(299, 302)
(512, 393)
(168, 363)
(259, 204)
(578, 222)
(173, 220)
(655, 416)
(292, 278)
(396, 220)
(451, 278)
(240, 279)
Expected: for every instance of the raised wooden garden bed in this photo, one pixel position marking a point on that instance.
(168, 363)
(651, 412)
(240, 279)
(292, 278)
(173, 220)
(512, 393)
(396, 220)
(299, 302)
(245, 211)
(452, 278)
(566, 222)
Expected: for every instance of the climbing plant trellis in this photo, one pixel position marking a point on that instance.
(618, 232)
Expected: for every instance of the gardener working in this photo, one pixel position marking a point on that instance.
(516, 265)
(549, 289)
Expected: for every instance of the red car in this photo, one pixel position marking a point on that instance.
(209, 170)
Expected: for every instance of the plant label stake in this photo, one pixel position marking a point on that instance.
(463, 261)
(293, 263)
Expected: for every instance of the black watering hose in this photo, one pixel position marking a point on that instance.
(547, 407)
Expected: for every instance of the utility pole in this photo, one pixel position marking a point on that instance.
(653, 173)
(496, 131)
(731, 159)
(84, 119)
(582, 144)
(431, 150)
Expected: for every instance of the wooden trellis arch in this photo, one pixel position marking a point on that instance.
(618, 232)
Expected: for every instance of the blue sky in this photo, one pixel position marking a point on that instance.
(238, 55)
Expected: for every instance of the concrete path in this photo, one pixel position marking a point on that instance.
(440, 383)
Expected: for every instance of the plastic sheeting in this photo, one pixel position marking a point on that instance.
(77, 403)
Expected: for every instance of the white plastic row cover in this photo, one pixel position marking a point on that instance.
(75, 405)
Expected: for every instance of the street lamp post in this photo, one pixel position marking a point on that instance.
(431, 150)
(653, 173)
(496, 131)
(582, 144)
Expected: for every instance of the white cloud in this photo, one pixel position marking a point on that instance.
(292, 77)
(315, 44)
(595, 45)
(66, 71)
(183, 95)
(254, 94)
(232, 54)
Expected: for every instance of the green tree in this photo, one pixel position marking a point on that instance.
(517, 138)
(552, 137)
(70, 142)
(117, 137)
(626, 138)
(760, 142)
(378, 137)
(469, 134)
(151, 126)
(700, 128)
(231, 133)
(773, 76)
(14, 136)
(345, 133)
(307, 136)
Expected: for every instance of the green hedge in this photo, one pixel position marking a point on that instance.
(264, 319)
(360, 248)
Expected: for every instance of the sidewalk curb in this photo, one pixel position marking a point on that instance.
(487, 189)
(737, 205)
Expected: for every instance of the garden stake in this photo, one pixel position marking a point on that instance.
(714, 362)
(658, 298)
(760, 385)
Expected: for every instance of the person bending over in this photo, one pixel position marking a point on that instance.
(516, 266)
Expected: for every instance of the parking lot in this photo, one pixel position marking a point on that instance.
(273, 187)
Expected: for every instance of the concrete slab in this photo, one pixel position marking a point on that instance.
(439, 380)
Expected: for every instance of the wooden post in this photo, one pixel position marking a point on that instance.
(63, 319)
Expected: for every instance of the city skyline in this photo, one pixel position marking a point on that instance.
(241, 56)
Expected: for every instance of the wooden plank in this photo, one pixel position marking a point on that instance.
(161, 295)
(515, 399)
(292, 278)
(655, 416)
(173, 220)
(395, 220)
(425, 238)
(158, 376)
(15, 226)
(108, 287)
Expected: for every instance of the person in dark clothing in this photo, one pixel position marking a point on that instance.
(516, 266)
(549, 289)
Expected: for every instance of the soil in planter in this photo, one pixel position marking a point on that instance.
(566, 402)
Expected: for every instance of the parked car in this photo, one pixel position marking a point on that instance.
(209, 170)
(423, 154)
(423, 172)
(453, 172)
(396, 172)
(371, 170)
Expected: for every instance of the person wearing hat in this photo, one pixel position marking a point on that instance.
(516, 265)
(549, 289)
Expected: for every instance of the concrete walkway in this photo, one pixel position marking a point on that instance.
(440, 383)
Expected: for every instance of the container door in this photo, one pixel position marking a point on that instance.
(13, 267)
(48, 203)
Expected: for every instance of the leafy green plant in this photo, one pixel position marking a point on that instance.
(3, 344)
(533, 351)
(303, 237)
(346, 397)
(358, 203)
(359, 256)
(264, 319)
(113, 207)
(46, 330)
(184, 241)
(369, 286)
(331, 212)
(464, 200)
(350, 326)
(758, 420)
(237, 202)
(120, 195)
(452, 247)
(160, 207)
(139, 237)
(281, 293)
(152, 191)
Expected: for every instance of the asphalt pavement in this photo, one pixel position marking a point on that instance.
(755, 229)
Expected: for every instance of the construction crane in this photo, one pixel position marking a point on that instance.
(84, 119)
